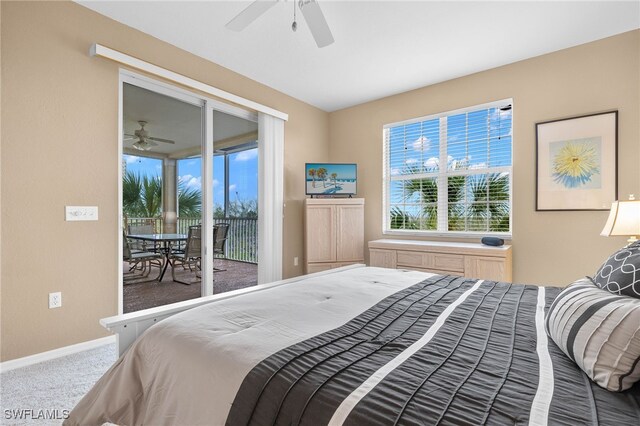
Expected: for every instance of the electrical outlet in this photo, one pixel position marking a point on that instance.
(55, 300)
(295, 261)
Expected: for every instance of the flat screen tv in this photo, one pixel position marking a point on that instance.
(331, 178)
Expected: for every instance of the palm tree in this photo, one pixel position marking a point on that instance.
(455, 209)
(402, 220)
(427, 191)
(189, 201)
(484, 208)
(151, 199)
(142, 197)
(131, 193)
(322, 174)
(491, 202)
(312, 173)
(334, 178)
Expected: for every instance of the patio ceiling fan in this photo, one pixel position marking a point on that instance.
(144, 141)
(310, 10)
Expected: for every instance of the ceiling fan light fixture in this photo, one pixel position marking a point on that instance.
(144, 142)
(142, 145)
(294, 26)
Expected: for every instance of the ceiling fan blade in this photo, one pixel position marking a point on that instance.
(129, 138)
(161, 140)
(316, 22)
(250, 14)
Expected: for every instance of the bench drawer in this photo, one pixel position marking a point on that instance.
(448, 262)
(412, 258)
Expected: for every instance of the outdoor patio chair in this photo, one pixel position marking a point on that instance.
(142, 245)
(191, 255)
(141, 263)
(220, 233)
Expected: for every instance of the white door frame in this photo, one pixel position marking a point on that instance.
(208, 106)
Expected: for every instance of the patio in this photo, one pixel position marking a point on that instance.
(139, 296)
(238, 264)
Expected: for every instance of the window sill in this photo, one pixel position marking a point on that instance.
(452, 234)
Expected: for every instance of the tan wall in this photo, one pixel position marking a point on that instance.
(549, 247)
(59, 147)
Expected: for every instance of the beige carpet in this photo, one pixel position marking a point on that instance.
(42, 394)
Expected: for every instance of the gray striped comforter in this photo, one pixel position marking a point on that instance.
(449, 351)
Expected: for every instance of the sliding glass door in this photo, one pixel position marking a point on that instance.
(162, 210)
(198, 216)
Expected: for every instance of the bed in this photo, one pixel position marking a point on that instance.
(357, 346)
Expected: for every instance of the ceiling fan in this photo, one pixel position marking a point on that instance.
(144, 141)
(310, 10)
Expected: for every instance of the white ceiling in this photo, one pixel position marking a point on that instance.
(382, 47)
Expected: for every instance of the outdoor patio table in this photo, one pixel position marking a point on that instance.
(165, 240)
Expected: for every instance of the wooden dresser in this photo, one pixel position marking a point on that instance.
(473, 260)
(333, 233)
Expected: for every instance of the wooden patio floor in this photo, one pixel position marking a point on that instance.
(140, 296)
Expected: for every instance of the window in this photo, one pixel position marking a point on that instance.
(450, 173)
(235, 183)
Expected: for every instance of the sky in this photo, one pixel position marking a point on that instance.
(243, 174)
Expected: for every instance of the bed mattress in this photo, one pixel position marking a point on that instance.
(363, 346)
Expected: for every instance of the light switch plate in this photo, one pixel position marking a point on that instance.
(73, 213)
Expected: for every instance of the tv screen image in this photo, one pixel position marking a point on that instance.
(331, 178)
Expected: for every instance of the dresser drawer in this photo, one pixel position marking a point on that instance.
(448, 262)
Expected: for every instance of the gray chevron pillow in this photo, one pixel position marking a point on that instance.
(620, 274)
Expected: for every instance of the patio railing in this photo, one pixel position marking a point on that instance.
(242, 239)
(185, 222)
(156, 222)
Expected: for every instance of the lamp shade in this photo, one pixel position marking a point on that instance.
(624, 219)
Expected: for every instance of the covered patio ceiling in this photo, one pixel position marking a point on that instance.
(170, 118)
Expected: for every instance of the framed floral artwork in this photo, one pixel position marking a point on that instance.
(576, 162)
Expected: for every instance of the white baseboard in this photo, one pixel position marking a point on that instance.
(55, 353)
